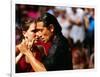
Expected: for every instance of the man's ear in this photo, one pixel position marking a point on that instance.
(51, 28)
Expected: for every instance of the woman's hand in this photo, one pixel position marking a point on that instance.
(25, 46)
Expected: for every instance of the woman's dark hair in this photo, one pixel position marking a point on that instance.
(48, 19)
(25, 23)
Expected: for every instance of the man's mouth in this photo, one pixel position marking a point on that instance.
(42, 39)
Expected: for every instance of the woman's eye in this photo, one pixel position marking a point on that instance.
(34, 31)
(41, 30)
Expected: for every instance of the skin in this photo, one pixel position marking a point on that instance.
(44, 33)
(30, 33)
(36, 65)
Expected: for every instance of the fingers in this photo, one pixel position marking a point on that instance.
(30, 43)
(26, 45)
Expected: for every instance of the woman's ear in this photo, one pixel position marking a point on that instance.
(51, 28)
(24, 32)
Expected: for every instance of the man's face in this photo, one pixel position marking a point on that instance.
(43, 32)
(30, 34)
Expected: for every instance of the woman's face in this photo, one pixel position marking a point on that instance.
(30, 33)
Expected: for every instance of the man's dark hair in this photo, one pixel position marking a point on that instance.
(48, 19)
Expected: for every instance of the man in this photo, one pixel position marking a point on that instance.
(59, 56)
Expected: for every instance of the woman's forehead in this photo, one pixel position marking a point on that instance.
(32, 26)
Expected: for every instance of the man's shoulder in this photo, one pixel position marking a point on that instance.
(60, 41)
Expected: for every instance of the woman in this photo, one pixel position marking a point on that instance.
(27, 53)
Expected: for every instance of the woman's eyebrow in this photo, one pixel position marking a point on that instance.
(36, 30)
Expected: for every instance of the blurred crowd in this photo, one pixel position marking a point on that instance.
(77, 26)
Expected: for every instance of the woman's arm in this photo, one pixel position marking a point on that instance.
(18, 57)
(36, 65)
(19, 54)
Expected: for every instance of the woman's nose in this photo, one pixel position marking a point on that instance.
(38, 34)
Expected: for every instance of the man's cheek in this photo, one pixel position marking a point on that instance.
(45, 34)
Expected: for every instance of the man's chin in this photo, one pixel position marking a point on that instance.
(43, 40)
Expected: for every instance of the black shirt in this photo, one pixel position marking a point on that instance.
(59, 56)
